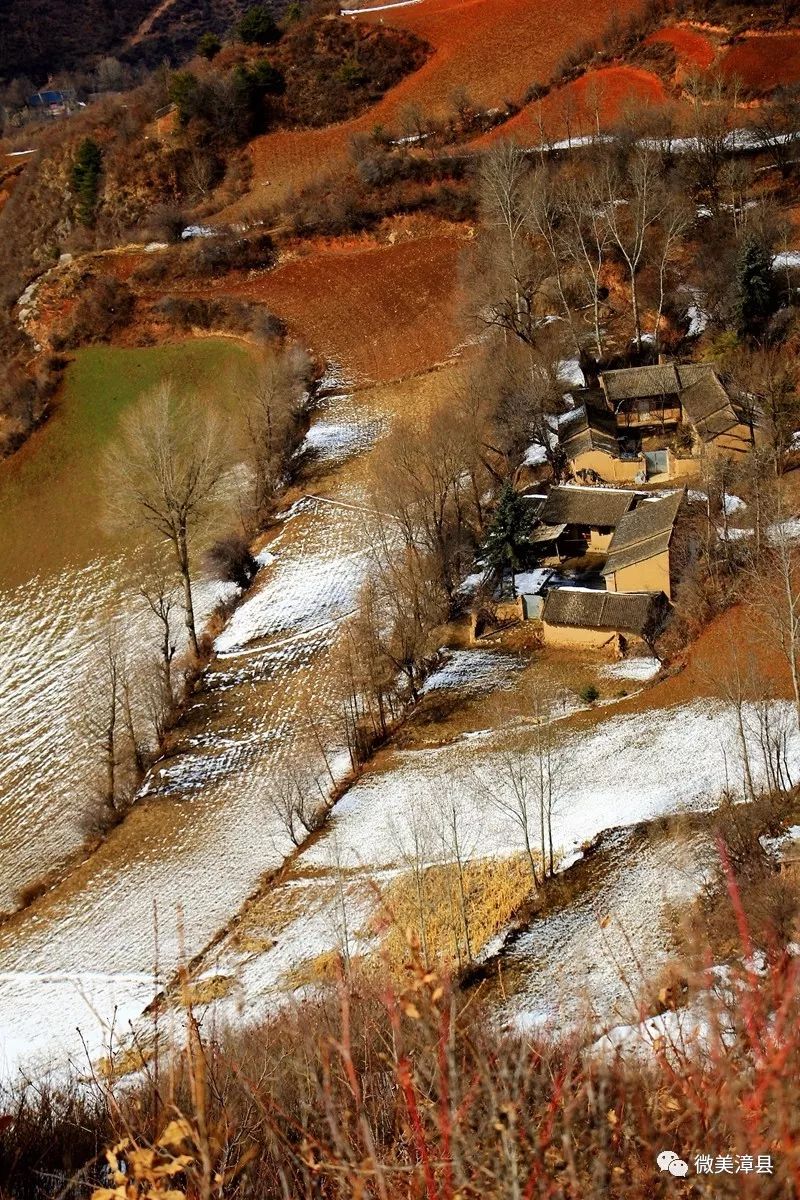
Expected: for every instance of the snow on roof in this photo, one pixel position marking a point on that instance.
(532, 583)
(570, 372)
(786, 258)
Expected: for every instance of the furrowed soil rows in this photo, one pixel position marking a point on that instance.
(386, 310)
(575, 110)
(516, 43)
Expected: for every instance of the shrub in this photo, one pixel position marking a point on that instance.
(209, 46)
(86, 168)
(231, 560)
(589, 694)
(258, 27)
(105, 306)
(235, 315)
(219, 255)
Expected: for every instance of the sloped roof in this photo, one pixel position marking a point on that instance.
(645, 531)
(665, 379)
(633, 383)
(689, 373)
(627, 612)
(587, 431)
(593, 506)
(709, 407)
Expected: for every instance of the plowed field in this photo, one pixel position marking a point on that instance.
(765, 61)
(692, 49)
(573, 110)
(386, 311)
(492, 48)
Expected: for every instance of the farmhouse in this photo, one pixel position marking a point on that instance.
(580, 520)
(582, 618)
(626, 539)
(639, 554)
(655, 422)
(593, 450)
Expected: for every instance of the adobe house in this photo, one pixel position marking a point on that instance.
(595, 452)
(636, 416)
(580, 520)
(639, 553)
(616, 622)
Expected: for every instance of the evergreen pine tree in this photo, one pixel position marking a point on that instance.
(86, 168)
(258, 27)
(507, 538)
(755, 287)
(209, 46)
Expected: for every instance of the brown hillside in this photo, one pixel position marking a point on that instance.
(381, 311)
(573, 110)
(495, 49)
(764, 62)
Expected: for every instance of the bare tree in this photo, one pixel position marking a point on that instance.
(509, 790)
(634, 203)
(457, 836)
(586, 240)
(675, 221)
(774, 578)
(414, 844)
(164, 476)
(419, 480)
(273, 392)
(108, 724)
(159, 595)
(776, 126)
(764, 380)
(713, 100)
(298, 801)
(506, 199)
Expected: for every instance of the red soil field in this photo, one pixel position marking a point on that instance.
(692, 49)
(383, 312)
(571, 109)
(764, 61)
(493, 48)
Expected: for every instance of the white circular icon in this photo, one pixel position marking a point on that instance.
(669, 1161)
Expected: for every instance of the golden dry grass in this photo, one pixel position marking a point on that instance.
(495, 889)
(206, 991)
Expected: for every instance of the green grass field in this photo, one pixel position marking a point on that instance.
(50, 491)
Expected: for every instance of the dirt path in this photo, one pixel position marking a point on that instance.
(148, 23)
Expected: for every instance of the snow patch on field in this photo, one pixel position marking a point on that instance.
(298, 595)
(332, 441)
(588, 958)
(474, 670)
(640, 669)
(630, 768)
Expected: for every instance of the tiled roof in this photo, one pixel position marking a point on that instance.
(633, 383)
(644, 532)
(586, 432)
(627, 612)
(709, 408)
(665, 379)
(591, 506)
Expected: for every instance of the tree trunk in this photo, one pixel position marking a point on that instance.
(188, 602)
(637, 321)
